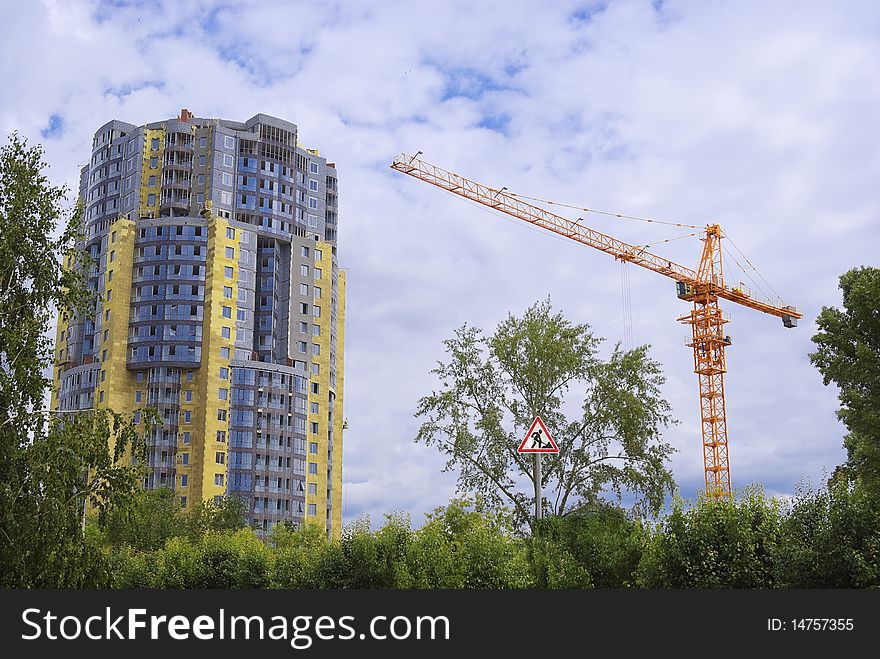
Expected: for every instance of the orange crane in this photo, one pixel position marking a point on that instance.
(703, 287)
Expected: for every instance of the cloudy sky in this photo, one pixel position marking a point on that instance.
(761, 116)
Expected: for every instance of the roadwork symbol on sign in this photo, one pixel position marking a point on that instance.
(538, 439)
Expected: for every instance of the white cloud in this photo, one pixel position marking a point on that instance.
(749, 114)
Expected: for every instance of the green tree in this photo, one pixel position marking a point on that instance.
(714, 543)
(298, 554)
(216, 560)
(554, 566)
(376, 559)
(491, 390)
(830, 539)
(604, 542)
(206, 516)
(848, 354)
(149, 518)
(49, 464)
(145, 521)
(461, 545)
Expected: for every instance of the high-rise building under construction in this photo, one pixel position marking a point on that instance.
(221, 306)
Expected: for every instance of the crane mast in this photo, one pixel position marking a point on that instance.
(708, 342)
(703, 287)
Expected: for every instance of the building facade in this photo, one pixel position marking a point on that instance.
(221, 306)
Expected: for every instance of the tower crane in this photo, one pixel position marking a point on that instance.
(703, 287)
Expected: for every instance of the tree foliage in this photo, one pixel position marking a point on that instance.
(848, 354)
(49, 465)
(604, 543)
(824, 539)
(715, 543)
(492, 388)
(32, 283)
(458, 547)
(149, 518)
(463, 545)
(830, 539)
(232, 559)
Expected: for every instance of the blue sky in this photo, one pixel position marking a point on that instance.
(748, 114)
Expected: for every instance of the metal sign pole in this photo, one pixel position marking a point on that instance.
(539, 512)
(537, 441)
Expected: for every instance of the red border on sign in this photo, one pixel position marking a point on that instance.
(550, 449)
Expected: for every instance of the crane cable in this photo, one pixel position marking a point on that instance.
(609, 213)
(750, 278)
(626, 300)
(642, 248)
(658, 242)
(778, 296)
(528, 225)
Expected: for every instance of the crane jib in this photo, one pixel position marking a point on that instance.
(574, 230)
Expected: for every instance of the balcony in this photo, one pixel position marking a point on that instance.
(177, 179)
(181, 160)
(175, 197)
(179, 141)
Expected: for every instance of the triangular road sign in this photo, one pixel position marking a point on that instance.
(538, 439)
